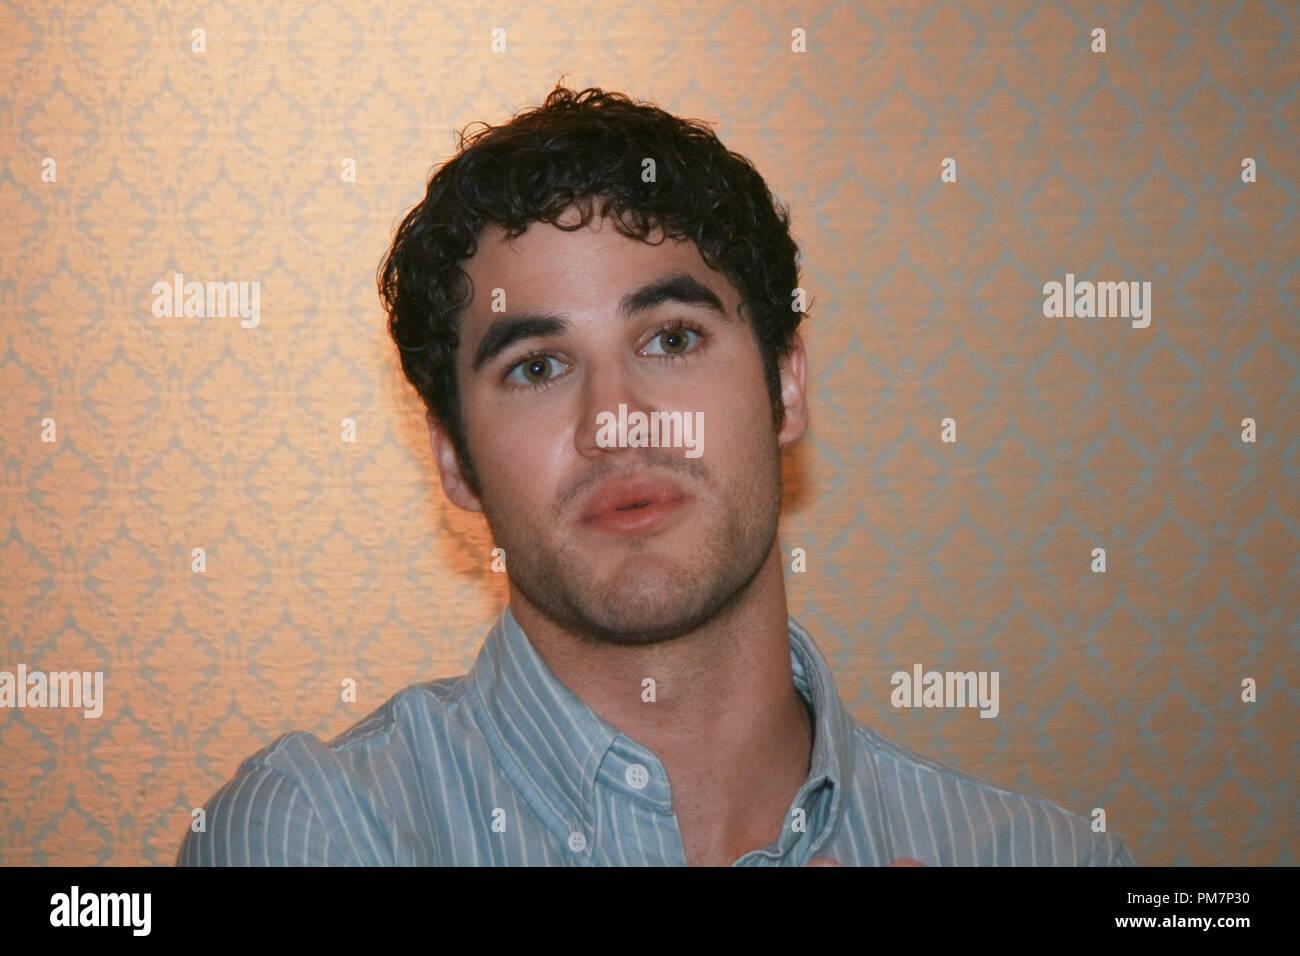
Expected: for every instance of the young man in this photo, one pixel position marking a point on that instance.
(594, 303)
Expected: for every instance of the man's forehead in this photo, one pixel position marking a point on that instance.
(598, 258)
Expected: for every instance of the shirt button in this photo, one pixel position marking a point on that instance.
(577, 842)
(637, 776)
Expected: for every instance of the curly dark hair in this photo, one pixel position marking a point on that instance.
(575, 149)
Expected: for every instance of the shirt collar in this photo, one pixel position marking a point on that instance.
(547, 740)
(832, 757)
(552, 745)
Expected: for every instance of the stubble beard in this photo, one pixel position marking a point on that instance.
(652, 597)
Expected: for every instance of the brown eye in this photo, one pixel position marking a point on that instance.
(537, 370)
(673, 342)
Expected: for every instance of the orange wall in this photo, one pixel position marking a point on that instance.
(328, 560)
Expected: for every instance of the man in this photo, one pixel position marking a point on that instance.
(644, 698)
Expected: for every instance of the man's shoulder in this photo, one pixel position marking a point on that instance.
(404, 712)
(892, 757)
(300, 800)
(961, 817)
(410, 713)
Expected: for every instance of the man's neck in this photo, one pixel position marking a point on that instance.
(726, 722)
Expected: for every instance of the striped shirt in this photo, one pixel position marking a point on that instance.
(506, 766)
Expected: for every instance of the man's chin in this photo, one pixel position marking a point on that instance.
(634, 615)
(661, 588)
(629, 628)
(648, 604)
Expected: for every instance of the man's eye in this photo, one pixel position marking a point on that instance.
(537, 370)
(673, 342)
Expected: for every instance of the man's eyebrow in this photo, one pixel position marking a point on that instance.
(681, 287)
(505, 332)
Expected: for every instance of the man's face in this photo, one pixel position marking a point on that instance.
(629, 545)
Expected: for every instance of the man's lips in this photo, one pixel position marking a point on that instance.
(633, 504)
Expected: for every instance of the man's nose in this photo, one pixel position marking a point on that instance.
(601, 425)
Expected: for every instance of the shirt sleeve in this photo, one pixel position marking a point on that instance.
(1112, 852)
(262, 818)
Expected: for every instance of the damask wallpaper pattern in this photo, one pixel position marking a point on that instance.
(943, 163)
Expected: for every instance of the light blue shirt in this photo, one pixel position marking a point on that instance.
(506, 766)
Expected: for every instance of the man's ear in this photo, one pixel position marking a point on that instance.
(793, 367)
(444, 456)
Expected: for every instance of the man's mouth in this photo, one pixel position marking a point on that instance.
(634, 505)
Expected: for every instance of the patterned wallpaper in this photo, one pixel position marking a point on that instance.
(181, 509)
